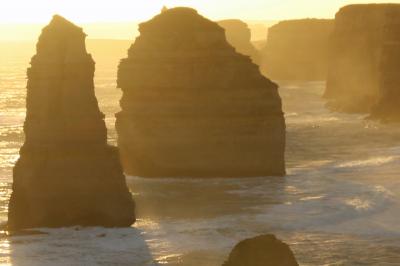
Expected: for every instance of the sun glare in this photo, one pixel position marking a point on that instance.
(23, 19)
(40, 11)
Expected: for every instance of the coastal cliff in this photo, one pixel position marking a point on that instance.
(387, 108)
(297, 50)
(360, 64)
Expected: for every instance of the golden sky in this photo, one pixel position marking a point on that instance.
(23, 19)
(22, 11)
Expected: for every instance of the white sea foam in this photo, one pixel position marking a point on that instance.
(375, 161)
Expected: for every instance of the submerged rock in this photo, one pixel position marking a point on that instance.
(357, 58)
(194, 107)
(264, 250)
(66, 174)
(297, 50)
(238, 35)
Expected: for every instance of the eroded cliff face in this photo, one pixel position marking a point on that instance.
(387, 108)
(194, 107)
(238, 35)
(357, 58)
(66, 174)
(297, 50)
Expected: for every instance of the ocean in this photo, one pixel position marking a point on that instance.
(338, 205)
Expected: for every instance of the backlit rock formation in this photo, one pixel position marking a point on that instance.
(194, 107)
(66, 174)
(264, 250)
(360, 54)
(238, 35)
(387, 108)
(297, 50)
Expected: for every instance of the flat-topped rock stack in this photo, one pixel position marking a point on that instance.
(238, 35)
(194, 107)
(357, 58)
(67, 174)
(297, 50)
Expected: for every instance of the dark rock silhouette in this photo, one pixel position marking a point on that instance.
(66, 174)
(387, 107)
(297, 50)
(264, 250)
(238, 35)
(194, 107)
(355, 68)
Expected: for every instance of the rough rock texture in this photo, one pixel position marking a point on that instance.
(355, 67)
(66, 174)
(264, 250)
(297, 50)
(194, 107)
(238, 35)
(387, 107)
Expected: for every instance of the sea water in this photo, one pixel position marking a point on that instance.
(338, 205)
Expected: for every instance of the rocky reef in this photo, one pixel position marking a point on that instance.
(238, 35)
(67, 174)
(360, 65)
(297, 50)
(264, 250)
(194, 107)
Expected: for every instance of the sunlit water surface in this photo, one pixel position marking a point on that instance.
(339, 204)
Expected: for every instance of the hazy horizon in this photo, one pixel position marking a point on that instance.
(41, 11)
(23, 20)
(24, 32)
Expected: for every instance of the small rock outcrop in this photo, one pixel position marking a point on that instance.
(67, 174)
(238, 34)
(297, 50)
(194, 107)
(264, 250)
(357, 60)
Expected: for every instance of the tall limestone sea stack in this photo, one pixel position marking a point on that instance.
(297, 50)
(238, 35)
(194, 107)
(357, 62)
(67, 174)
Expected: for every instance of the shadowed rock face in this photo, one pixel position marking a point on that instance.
(194, 107)
(265, 250)
(238, 35)
(388, 108)
(359, 56)
(66, 174)
(297, 50)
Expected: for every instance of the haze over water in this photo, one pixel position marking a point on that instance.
(338, 205)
